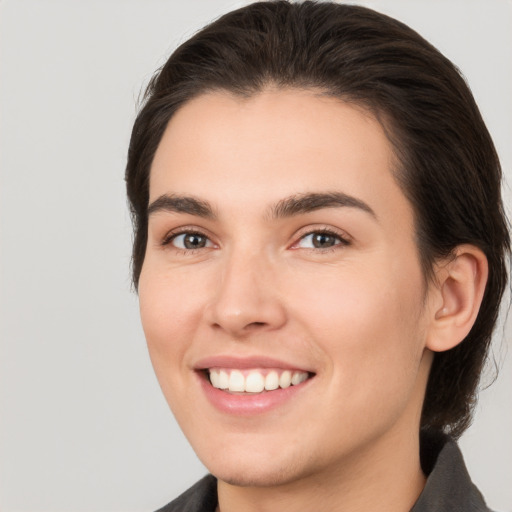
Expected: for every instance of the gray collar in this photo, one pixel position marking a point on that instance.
(449, 487)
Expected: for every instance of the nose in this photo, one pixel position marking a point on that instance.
(246, 298)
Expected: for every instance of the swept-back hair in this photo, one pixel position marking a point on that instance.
(447, 165)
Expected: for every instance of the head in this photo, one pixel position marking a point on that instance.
(442, 158)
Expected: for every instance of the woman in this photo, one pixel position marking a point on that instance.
(320, 256)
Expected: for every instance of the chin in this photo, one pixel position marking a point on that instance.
(258, 477)
(264, 470)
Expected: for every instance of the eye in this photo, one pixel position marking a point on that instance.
(189, 241)
(321, 240)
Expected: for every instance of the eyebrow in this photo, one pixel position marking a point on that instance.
(181, 204)
(294, 205)
(304, 203)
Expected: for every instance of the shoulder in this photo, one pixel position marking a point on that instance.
(201, 497)
(449, 486)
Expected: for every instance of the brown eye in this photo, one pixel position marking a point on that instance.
(190, 241)
(321, 240)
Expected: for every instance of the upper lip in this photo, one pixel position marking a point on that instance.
(229, 361)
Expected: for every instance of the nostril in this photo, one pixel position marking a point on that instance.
(255, 325)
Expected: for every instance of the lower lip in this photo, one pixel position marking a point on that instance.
(250, 404)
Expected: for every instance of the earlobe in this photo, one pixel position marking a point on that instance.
(461, 285)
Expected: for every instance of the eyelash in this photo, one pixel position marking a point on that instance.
(172, 235)
(342, 241)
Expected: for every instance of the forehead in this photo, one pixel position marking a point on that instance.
(276, 143)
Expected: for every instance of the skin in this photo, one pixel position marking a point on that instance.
(358, 314)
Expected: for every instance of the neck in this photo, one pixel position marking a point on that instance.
(386, 476)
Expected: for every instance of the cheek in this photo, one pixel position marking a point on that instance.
(169, 319)
(367, 320)
(168, 315)
(364, 297)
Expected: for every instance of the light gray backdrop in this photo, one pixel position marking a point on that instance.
(83, 426)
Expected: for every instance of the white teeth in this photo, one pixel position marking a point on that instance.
(254, 381)
(236, 381)
(272, 381)
(223, 380)
(214, 378)
(298, 377)
(286, 379)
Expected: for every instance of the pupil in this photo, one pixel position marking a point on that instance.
(194, 241)
(322, 240)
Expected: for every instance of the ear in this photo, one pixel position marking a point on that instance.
(456, 299)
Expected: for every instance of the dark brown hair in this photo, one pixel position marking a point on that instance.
(448, 167)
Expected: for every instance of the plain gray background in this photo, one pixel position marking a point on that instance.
(83, 425)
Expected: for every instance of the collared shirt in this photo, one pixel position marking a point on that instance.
(448, 488)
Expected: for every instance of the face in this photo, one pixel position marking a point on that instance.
(281, 293)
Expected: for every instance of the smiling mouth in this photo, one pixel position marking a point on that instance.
(254, 381)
